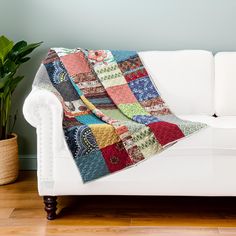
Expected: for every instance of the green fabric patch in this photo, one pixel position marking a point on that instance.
(115, 114)
(132, 109)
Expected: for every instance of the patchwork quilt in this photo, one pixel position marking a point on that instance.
(114, 116)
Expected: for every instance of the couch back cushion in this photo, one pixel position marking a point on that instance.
(185, 79)
(225, 83)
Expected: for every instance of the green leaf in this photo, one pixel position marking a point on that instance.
(1, 69)
(28, 49)
(19, 45)
(15, 82)
(24, 59)
(15, 50)
(5, 47)
(6, 92)
(10, 66)
(4, 80)
(11, 57)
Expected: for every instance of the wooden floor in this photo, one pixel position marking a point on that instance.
(21, 213)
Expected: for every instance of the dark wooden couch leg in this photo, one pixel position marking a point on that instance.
(50, 206)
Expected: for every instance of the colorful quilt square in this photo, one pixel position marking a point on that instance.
(130, 64)
(166, 132)
(115, 113)
(187, 127)
(156, 106)
(67, 91)
(132, 109)
(87, 85)
(80, 140)
(75, 108)
(85, 77)
(116, 157)
(69, 122)
(146, 141)
(113, 82)
(89, 119)
(99, 57)
(51, 56)
(143, 119)
(135, 74)
(121, 130)
(92, 166)
(135, 154)
(65, 51)
(75, 63)
(120, 55)
(104, 134)
(143, 89)
(121, 94)
(56, 72)
(110, 75)
(61, 80)
(96, 91)
(102, 102)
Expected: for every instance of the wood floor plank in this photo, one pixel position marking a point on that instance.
(228, 231)
(27, 203)
(23, 222)
(5, 212)
(23, 231)
(107, 231)
(162, 221)
(131, 231)
(22, 213)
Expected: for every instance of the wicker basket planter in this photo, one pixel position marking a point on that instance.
(9, 163)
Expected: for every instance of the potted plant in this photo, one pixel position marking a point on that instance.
(12, 56)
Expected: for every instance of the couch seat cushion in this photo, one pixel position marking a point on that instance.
(221, 133)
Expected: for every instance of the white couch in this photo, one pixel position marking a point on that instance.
(196, 85)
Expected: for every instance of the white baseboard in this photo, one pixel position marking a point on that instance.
(28, 162)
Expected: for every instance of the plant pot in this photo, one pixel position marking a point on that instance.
(9, 162)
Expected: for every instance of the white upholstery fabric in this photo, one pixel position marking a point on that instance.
(220, 135)
(187, 172)
(192, 169)
(224, 122)
(225, 83)
(184, 79)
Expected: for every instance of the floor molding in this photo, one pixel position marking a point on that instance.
(28, 162)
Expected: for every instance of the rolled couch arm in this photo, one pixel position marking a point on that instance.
(43, 110)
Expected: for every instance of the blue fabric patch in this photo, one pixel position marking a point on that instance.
(98, 101)
(145, 119)
(89, 119)
(86, 153)
(143, 89)
(80, 140)
(120, 55)
(92, 166)
(57, 72)
(61, 80)
(80, 93)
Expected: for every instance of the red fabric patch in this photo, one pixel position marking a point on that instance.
(121, 94)
(130, 64)
(136, 75)
(121, 130)
(166, 132)
(136, 155)
(116, 157)
(75, 63)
